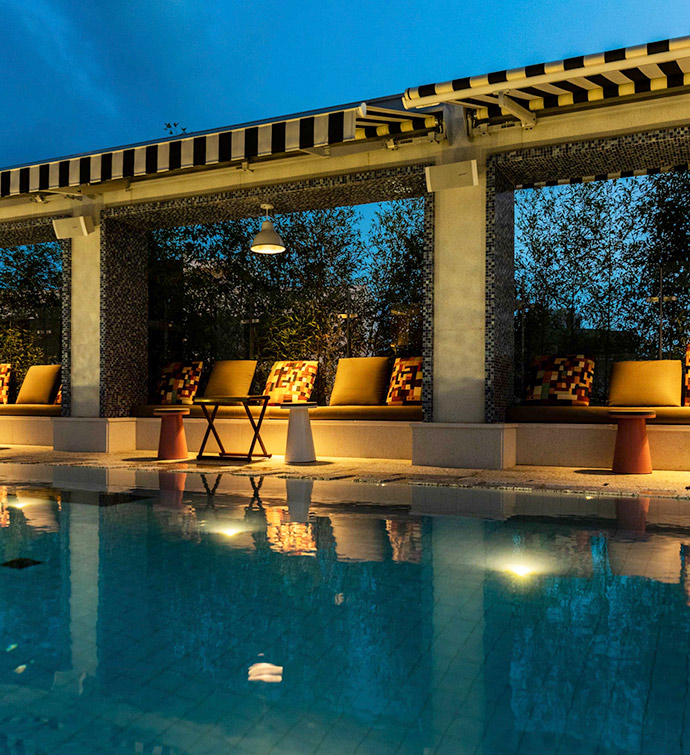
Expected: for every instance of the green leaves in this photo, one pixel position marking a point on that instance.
(18, 348)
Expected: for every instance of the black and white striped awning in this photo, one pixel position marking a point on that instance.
(305, 134)
(649, 70)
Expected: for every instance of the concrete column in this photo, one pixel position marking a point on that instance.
(86, 324)
(458, 686)
(459, 280)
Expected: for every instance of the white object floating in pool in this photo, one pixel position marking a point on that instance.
(20, 669)
(11, 647)
(265, 672)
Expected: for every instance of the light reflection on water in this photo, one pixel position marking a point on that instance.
(216, 615)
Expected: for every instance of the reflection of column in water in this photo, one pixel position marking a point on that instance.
(4, 511)
(684, 576)
(359, 538)
(84, 522)
(631, 514)
(299, 499)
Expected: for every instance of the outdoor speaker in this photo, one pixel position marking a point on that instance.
(451, 176)
(67, 228)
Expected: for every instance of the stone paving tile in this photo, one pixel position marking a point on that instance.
(377, 471)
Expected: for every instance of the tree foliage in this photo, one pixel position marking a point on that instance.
(587, 259)
(19, 348)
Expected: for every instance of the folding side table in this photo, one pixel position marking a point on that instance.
(246, 401)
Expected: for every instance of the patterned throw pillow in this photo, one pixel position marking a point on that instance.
(406, 382)
(291, 381)
(179, 382)
(561, 380)
(58, 395)
(5, 381)
(686, 377)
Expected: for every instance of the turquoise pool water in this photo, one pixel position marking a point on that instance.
(287, 616)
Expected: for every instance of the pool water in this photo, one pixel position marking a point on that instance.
(292, 616)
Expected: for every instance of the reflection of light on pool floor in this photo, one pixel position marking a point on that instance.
(265, 672)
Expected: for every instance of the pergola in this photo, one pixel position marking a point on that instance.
(465, 145)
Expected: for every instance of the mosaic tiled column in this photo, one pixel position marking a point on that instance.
(124, 318)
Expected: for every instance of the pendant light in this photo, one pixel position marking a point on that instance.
(267, 241)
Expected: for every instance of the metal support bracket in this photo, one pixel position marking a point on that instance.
(317, 151)
(527, 118)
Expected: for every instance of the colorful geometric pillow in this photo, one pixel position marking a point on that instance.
(406, 382)
(561, 380)
(58, 395)
(5, 380)
(686, 377)
(291, 382)
(179, 382)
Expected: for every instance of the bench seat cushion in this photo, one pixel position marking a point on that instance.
(585, 415)
(225, 412)
(403, 413)
(411, 413)
(30, 410)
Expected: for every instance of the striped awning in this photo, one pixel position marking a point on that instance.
(306, 134)
(649, 70)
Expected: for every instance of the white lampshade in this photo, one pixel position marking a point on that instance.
(268, 241)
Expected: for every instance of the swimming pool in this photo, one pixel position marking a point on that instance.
(183, 614)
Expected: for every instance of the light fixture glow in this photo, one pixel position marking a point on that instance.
(520, 569)
(232, 531)
(267, 241)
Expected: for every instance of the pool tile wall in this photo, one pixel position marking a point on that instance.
(626, 154)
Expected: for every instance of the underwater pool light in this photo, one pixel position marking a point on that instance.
(521, 570)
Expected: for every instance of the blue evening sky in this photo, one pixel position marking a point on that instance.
(81, 76)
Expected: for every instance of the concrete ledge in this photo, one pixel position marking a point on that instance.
(27, 431)
(98, 434)
(353, 438)
(468, 446)
(569, 445)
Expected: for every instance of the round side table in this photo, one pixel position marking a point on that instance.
(631, 455)
(172, 442)
(300, 442)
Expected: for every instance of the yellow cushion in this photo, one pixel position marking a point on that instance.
(650, 383)
(361, 381)
(230, 377)
(40, 384)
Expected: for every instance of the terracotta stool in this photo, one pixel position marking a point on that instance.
(631, 455)
(172, 443)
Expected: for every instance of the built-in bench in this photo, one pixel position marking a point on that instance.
(411, 413)
(30, 410)
(587, 415)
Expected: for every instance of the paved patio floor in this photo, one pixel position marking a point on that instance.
(587, 481)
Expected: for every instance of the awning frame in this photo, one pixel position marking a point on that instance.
(308, 134)
(654, 69)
